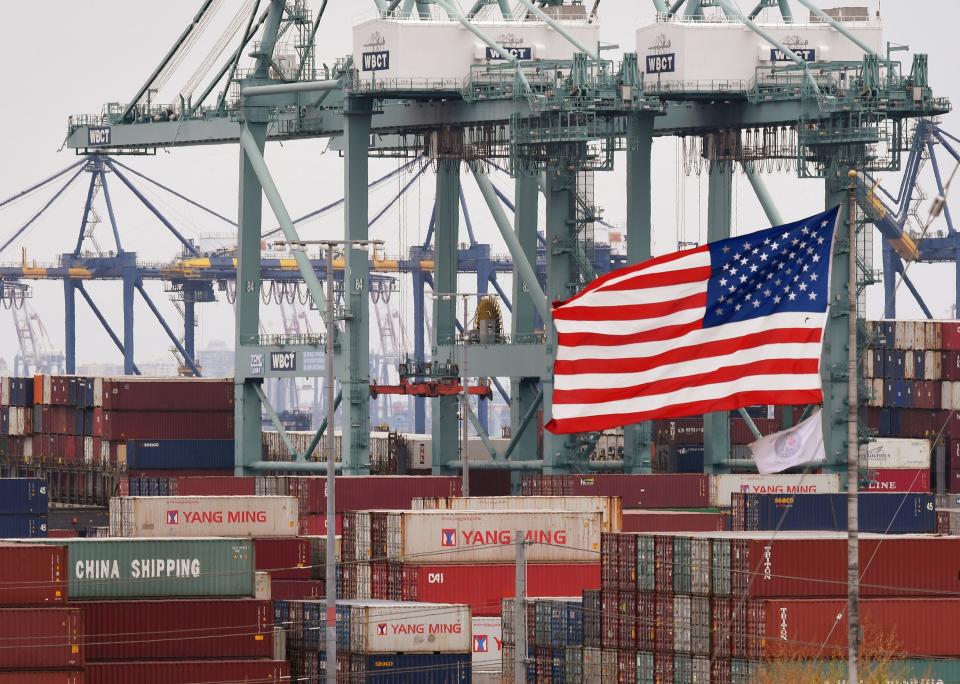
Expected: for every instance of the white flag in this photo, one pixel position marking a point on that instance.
(797, 446)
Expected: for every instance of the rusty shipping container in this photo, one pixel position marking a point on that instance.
(189, 672)
(178, 629)
(608, 505)
(204, 516)
(41, 638)
(167, 394)
(663, 490)
(32, 575)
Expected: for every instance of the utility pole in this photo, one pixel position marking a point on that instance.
(331, 570)
(520, 613)
(465, 458)
(853, 446)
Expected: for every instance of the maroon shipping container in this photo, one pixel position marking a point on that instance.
(32, 575)
(646, 618)
(41, 638)
(145, 630)
(903, 565)
(663, 628)
(484, 586)
(610, 560)
(950, 335)
(663, 490)
(627, 666)
(385, 492)
(721, 615)
(626, 620)
(48, 677)
(674, 521)
(609, 617)
(315, 524)
(296, 590)
(217, 486)
(189, 672)
(283, 557)
(124, 425)
(807, 629)
(168, 394)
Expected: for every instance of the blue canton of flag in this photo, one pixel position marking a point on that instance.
(785, 268)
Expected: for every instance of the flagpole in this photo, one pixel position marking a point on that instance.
(853, 551)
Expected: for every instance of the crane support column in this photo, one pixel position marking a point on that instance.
(833, 367)
(130, 278)
(444, 409)
(247, 400)
(419, 345)
(637, 439)
(190, 325)
(70, 325)
(559, 451)
(890, 270)
(523, 390)
(355, 369)
(716, 426)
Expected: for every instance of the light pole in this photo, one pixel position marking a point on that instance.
(331, 561)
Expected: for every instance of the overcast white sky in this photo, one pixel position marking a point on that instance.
(87, 53)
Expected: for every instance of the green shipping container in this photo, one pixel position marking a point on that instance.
(912, 671)
(151, 568)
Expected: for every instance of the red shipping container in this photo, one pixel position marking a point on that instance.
(386, 492)
(315, 524)
(664, 490)
(189, 672)
(145, 630)
(646, 618)
(782, 567)
(952, 454)
(950, 366)
(627, 666)
(32, 575)
(283, 557)
(168, 394)
(626, 620)
(41, 638)
(950, 335)
(609, 617)
(123, 425)
(296, 590)
(798, 627)
(674, 521)
(51, 677)
(663, 629)
(217, 486)
(484, 586)
(896, 480)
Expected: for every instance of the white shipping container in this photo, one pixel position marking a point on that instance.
(681, 624)
(5, 391)
(487, 645)
(908, 366)
(931, 365)
(402, 627)
(888, 452)
(88, 450)
(261, 586)
(204, 516)
(877, 394)
(722, 486)
(954, 396)
(868, 366)
(47, 390)
(946, 395)
(488, 536)
(610, 506)
(419, 448)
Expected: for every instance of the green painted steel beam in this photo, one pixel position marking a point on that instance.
(763, 195)
(277, 423)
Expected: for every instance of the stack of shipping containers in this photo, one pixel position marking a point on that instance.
(23, 508)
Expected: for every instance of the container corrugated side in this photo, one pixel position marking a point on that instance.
(675, 521)
(439, 668)
(23, 526)
(487, 536)
(168, 394)
(178, 629)
(180, 454)
(722, 486)
(146, 568)
(400, 627)
(33, 575)
(23, 495)
(487, 645)
(205, 516)
(47, 677)
(880, 513)
(895, 453)
(189, 672)
(41, 638)
(285, 558)
(608, 505)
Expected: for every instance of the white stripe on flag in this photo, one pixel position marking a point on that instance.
(630, 327)
(647, 295)
(695, 260)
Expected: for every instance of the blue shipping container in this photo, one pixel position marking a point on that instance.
(879, 513)
(413, 668)
(23, 495)
(180, 454)
(23, 526)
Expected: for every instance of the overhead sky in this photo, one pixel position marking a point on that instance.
(80, 55)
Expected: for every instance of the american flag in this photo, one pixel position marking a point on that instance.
(729, 324)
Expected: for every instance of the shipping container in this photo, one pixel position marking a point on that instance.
(23, 526)
(880, 513)
(41, 638)
(675, 521)
(180, 454)
(895, 453)
(145, 568)
(33, 575)
(722, 486)
(487, 536)
(44, 677)
(809, 628)
(285, 558)
(608, 505)
(23, 495)
(206, 516)
(150, 424)
(403, 668)
(178, 629)
(189, 672)
(487, 634)
(483, 586)
(167, 394)
(896, 480)
(398, 627)
(661, 490)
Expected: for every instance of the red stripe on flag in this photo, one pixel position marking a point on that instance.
(727, 374)
(678, 356)
(602, 280)
(589, 339)
(646, 280)
(630, 312)
(729, 403)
